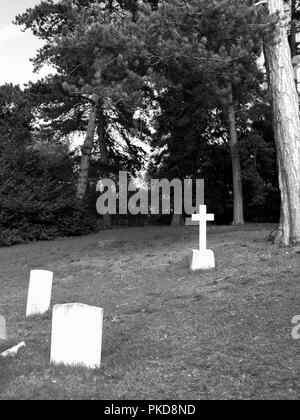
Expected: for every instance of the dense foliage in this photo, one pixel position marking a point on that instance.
(162, 76)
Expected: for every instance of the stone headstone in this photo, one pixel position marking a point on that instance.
(203, 259)
(39, 293)
(2, 328)
(77, 335)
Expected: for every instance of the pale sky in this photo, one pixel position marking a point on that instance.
(16, 47)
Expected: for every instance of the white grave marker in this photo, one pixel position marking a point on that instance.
(39, 293)
(203, 259)
(2, 328)
(77, 335)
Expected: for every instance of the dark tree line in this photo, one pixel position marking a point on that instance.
(181, 78)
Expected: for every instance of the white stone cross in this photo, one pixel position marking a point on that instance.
(202, 217)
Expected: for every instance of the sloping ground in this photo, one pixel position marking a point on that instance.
(168, 333)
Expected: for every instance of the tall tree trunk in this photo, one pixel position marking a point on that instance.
(286, 123)
(101, 131)
(102, 137)
(86, 151)
(238, 205)
(283, 232)
(281, 229)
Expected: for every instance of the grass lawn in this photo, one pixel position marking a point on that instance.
(168, 333)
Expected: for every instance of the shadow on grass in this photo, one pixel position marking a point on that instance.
(44, 317)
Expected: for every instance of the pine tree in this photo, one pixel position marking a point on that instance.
(218, 42)
(93, 84)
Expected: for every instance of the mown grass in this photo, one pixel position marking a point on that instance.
(168, 333)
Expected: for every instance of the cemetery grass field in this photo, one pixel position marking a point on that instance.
(168, 333)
